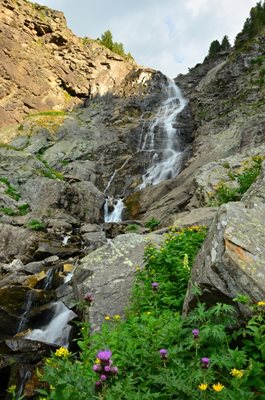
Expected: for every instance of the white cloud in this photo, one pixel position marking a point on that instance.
(170, 35)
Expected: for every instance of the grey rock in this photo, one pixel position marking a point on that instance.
(110, 274)
(196, 216)
(231, 260)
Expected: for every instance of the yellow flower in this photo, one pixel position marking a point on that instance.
(52, 387)
(62, 352)
(107, 318)
(261, 303)
(97, 361)
(237, 373)
(148, 312)
(218, 387)
(203, 386)
(116, 317)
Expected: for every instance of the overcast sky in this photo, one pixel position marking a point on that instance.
(168, 35)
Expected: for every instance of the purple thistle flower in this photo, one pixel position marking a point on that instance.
(107, 368)
(104, 355)
(97, 368)
(98, 385)
(103, 377)
(205, 362)
(195, 333)
(163, 353)
(114, 370)
(154, 285)
(88, 297)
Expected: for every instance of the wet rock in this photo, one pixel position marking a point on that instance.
(53, 248)
(111, 270)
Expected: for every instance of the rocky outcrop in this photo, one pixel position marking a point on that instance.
(231, 261)
(108, 272)
(46, 67)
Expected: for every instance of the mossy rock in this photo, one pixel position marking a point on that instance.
(132, 204)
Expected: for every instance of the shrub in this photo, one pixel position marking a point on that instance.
(152, 223)
(36, 225)
(132, 228)
(10, 190)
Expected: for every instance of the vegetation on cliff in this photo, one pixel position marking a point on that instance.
(253, 25)
(107, 41)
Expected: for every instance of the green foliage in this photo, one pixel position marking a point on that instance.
(214, 49)
(224, 194)
(225, 44)
(152, 223)
(154, 322)
(11, 191)
(48, 171)
(107, 41)
(21, 210)
(36, 225)
(51, 113)
(253, 25)
(132, 228)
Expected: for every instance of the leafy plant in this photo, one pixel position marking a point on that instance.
(132, 228)
(10, 190)
(152, 223)
(36, 225)
(8, 211)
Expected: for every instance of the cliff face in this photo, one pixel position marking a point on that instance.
(44, 66)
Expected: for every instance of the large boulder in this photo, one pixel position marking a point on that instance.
(107, 273)
(231, 260)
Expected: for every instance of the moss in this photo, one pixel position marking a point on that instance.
(133, 204)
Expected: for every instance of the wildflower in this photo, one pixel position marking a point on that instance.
(116, 317)
(52, 387)
(107, 318)
(104, 355)
(88, 297)
(98, 385)
(163, 353)
(195, 333)
(261, 303)
(203, 386)
(186, 261)
(237, 373)
(97, 368)
(107, 368)
(148, 312)
(114, 370)
(218, 387)
(205, 362)
(97, 361)
(154, 285)
(103, 377)
(62, 352)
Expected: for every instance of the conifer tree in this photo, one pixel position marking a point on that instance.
(106, 39)
(214, 48)
(225, 44)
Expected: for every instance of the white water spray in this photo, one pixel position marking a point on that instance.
(57, 331)
(162, 139)
(113, 209)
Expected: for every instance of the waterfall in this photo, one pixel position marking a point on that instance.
(162, 140)
(57, 331)
(26, 309)
(113, 209)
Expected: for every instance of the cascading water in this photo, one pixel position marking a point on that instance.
(58, 330)
(162, 140)
(113, 209)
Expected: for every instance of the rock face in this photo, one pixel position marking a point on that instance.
(231, 261)
(110, 271)
(45, 66)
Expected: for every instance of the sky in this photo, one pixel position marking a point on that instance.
(167, 35)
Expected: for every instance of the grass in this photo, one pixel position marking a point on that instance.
(36, 225)
(11, 191)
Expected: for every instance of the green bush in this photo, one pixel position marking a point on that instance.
(36, 225)
(152, 223)
(132, 228)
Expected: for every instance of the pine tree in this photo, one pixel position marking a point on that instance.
(106, 39)
(214, 49)
(225, 44)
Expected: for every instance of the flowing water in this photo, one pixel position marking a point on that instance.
(57, 331)
(113, 209)
(26, 309)
(162, 140)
